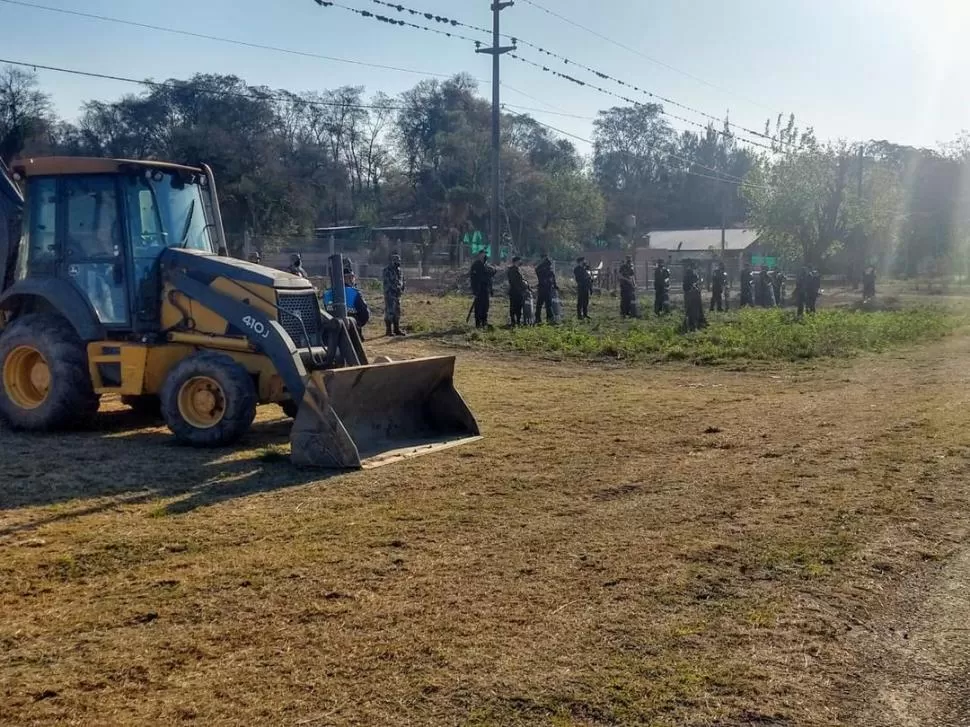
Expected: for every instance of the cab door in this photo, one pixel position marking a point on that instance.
(93, 245)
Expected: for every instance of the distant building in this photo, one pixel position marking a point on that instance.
(676, 247)
(680, 245)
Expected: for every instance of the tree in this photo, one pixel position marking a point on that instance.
(798, 202)
(631, 147)
(25, 113)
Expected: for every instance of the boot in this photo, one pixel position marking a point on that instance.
(397, 328)
(387, 329)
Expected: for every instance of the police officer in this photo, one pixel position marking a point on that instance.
(693, 305)
(296, 265)
(584, 287)
(517, 291)
(661, 288)
(547, 284)
(690, 277)
(747, 284)
(814, 289)
(869, 283)
(628, 288)
(803, 283)
(718, 287)
(778, 284)
(356, 305)
(480, 276)
(393, 290)
(766, 295)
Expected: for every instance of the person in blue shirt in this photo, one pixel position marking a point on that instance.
(356, 305)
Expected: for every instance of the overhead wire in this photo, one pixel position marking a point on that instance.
(392, 21)
(254, 96)
(633, 102)
(518, 40)
(722, 176)
(643, 55)
(221, 39)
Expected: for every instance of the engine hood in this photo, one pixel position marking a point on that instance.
(206, 267)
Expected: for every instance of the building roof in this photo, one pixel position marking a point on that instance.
(702, 240)
(403, 229)
(339, 228)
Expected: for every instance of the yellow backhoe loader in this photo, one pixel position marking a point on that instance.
(114, 279)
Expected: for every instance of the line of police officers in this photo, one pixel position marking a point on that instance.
(765, 288)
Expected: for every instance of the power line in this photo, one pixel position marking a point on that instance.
(256, 96)
(220, 39)
(392, 21)
(313, 102)
(516, 40)
(479, 44)
(657, 61)
(434, 16)
(627, 99)
(723, 176)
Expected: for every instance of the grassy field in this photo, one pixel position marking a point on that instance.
(664, 545)
(756, 335)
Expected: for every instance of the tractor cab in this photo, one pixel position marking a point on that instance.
(102, 225)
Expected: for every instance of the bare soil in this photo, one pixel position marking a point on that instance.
(669, 546)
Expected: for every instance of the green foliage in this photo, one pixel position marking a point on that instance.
(638, 165)
(748, 335)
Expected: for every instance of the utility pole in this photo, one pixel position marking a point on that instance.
(496, 51)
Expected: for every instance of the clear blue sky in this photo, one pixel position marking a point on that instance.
(855, 69)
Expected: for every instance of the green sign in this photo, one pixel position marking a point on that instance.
(476, 243)
(762, 260)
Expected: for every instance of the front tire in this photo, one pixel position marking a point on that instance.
(208, 400)
(44, 375)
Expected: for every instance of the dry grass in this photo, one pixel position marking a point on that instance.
(627, 546)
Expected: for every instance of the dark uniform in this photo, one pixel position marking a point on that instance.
(747, 285)
(661, 288)
(778, 284)
(766, 295)
(480, 277)
(718, 287)
(547, 284)
(814, 289)
(296, 266)
(393, 290)
(803, 284)
(628, 290)
(584, 287)
(694, 307)
(869, 284)
(517, 292)
(690, 279)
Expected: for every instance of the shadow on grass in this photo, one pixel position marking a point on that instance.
(130, 459)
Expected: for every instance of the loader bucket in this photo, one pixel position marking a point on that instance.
(368, 416)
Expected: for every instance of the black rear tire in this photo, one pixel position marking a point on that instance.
(214, 376)
(68, 399)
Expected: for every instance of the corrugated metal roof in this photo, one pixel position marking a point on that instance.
(702, 239)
